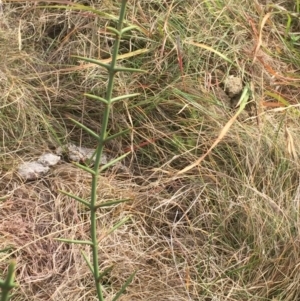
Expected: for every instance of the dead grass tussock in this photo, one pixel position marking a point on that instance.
(25, 119)
(226, 230)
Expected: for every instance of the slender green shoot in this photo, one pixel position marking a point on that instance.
(96, 169)
(8, 284)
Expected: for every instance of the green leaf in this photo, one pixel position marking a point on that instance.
(111, 203)
(88, 262)
(243, 99)
(123, 69)
(113, 30)
(88, 130)
(123, 97)
(77, 198)
(117, 135)
(78, 242)
(93, 61)
(112, 162)
(128, 28)
(85, 168)
(124, 286)
(96, 98)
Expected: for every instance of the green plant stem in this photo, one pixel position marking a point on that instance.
(99, 152)
(8, 284)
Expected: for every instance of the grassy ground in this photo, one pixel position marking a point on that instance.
(226, 229)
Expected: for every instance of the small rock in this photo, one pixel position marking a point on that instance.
(48, 159)
(233, 85)
(32, 170)
(79, 154)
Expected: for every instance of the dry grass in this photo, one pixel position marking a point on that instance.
(225, 230)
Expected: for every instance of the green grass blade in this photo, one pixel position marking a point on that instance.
(93, 61)
(118, 98)
(78, 242)
(112, 162)
(88, 130)
(278, 97)
(117, 135)
(88, 262)
(77, 198)
(132, 70)
(85, 168)
(124, 286)
(92, 96)
(112, 203)
(113, 30)
(118, 225)
(128, 28)
(243, 99)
